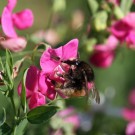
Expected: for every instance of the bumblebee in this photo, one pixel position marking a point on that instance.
(77, 79)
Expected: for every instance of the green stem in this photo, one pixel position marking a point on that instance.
(13, 104)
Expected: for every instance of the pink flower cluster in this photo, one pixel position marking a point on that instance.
(121, 31)
(10, 21)
(124, 29)
(41, 83)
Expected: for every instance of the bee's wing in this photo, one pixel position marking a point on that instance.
(95, 95)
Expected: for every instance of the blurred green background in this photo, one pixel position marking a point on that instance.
(113, 83)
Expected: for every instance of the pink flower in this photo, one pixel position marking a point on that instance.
(128, 114)
(69, 115)
(130, 129)
(124, 29)
(52, 58)
(14, 44)
(20, 20)
(103, 55)
(33, 93)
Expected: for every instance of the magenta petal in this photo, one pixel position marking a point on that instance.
(19, 89)
(23, 19)
(46, 87)
(7, 24)
(42, 85)
(11, 4)
(112, 42)
(120, 29)
(128, 114)
(130, 19)
(130, 39)
(102, 59)
(70, 50)
(14, 44)
(47, 63)
(37, 99)
(32, 79)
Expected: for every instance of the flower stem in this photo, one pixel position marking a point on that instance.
(13, 105)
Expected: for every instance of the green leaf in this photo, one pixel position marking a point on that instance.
(23, 92)
(3, 88)
(4, 103)
(4, 117)
(5, 129)
(100, 20)
(9, 67)
(93, 4)
(19, 130)
(126, 5)
(41, 114)
(9, 62)
(1, 63)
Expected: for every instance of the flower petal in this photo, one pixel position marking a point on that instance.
(7, 24)
(19, 89)
(120, 29)
(130, 19)
(47, 62)
(11, 4)
(14, 44)
(112, 42)
(37, 99)
(128, 114)
(70, 50)
(32, 79)
(130, 39)
(23, 19)
(46, 87)
(102, 59)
